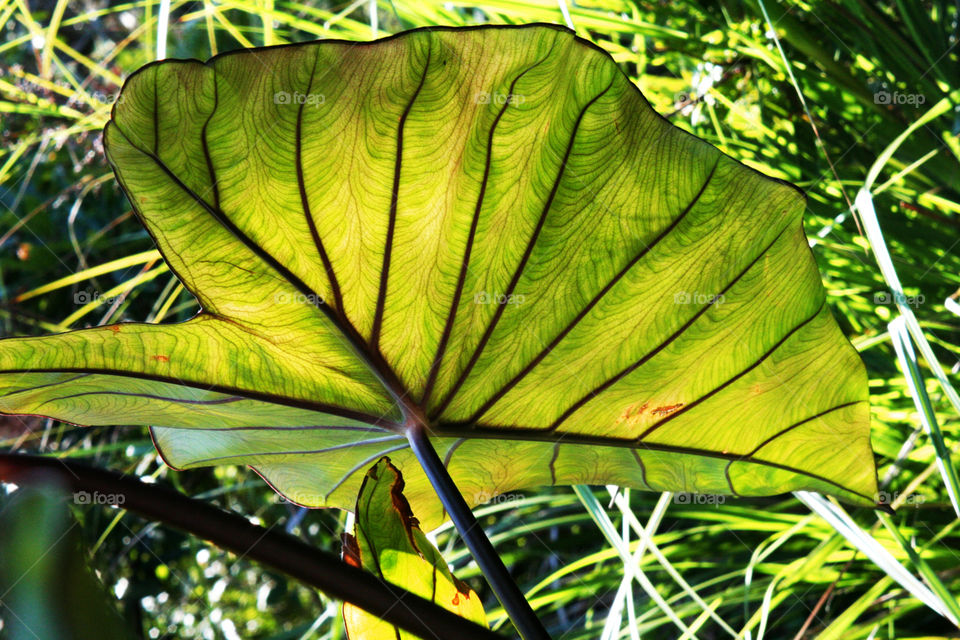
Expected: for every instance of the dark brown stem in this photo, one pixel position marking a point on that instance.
(276, 549)
(506, 590)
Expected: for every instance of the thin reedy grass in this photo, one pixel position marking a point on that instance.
(854, 100)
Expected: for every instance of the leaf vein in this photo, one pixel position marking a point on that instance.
(501, 304)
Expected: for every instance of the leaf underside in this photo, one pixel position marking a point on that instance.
(488, 228)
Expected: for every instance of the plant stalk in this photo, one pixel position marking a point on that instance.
(506, 590)
(276, 549)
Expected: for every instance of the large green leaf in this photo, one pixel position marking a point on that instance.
(564, 286)
(387, 540)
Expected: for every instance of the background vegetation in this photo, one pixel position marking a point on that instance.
(812, 92)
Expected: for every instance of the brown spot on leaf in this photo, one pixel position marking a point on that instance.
(351, 550)
(115, 328)
(666, 410)
(160, 358)
(632, 412)
(400, 503)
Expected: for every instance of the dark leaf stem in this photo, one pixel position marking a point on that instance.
(276, 549)
(506, 590)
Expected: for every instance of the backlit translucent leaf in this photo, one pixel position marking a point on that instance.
(387, 541)
(488, 229)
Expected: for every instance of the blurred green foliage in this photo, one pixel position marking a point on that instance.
(866, 69)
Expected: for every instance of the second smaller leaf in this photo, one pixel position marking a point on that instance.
(387, 540)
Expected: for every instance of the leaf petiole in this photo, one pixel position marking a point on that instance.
(506, 590)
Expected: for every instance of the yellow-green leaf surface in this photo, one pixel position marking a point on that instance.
(387, 540)
(485, 229)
